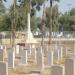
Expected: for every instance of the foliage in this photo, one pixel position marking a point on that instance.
(55, 15)
(5, 23)
(21, 10)
(38, 22)
(2, 8)
(67, 21)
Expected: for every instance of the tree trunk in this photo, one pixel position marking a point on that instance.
(43, 27)
(13, 25)
(50, 25)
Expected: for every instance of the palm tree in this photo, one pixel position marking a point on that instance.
(13, 24)
(43, 26)
(2, 8)
(50, 26)
(54, 17)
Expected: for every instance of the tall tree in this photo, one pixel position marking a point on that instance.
(2, 13)
(67, 21)
(2, 8)
(43, 27)
(55, 15)
(13, 24)
(28, 7)
(50, 27)
(25, 7)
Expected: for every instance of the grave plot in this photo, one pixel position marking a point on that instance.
(44, 48)
(39, 59)
(20, 50)
(69, 67)
(17, 49)
(65, 51)
(2, 47)
(57, 70)
(11, 59)
(3, 68)
(60, 53)
(1, 55)
(33, 54)
(56, 56)
(50, 58)
(72, 55)
(24, 57)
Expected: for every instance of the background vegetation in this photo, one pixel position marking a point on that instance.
(60, 22)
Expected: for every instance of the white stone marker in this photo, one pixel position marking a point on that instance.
(3, 68)
(70, 67)
(5, 52)
(57, 70)
(20, 50)
(56, 56)
(60, 53)
(24, 57)
(72, 55)
(1, 55)
(44, 50)
(17, 49)
(28, 53)
(40, 60)
(30, 48)
(33, 53)
(11, 58)
(1, 47)
(65, 51)
(50, 58)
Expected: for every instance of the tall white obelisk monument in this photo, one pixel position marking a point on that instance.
(29, 37)
(29, 28)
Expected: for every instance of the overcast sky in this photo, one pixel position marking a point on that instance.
(64, 5)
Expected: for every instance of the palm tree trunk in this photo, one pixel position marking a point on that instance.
(50, 25)
(43, 27)
(13, 25)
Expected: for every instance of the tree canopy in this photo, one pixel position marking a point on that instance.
(63, 22)
(67, 21)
